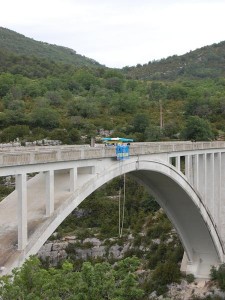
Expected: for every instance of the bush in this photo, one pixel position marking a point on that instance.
(190, 278)
(219, 276)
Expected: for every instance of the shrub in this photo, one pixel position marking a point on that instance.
(219, 276)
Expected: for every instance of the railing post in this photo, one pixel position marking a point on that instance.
(21, 188)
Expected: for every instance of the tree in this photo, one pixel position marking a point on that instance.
(165, 273)
(11, 133)
(219, 276)
(44, 117)
(93, 282)
(6, 82)
(197, 129)
(54, 98)
(85, 79)
(153, 133)
(59, 134)
(140, 123)
(115, 83)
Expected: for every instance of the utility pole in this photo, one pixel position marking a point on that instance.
(161, 114)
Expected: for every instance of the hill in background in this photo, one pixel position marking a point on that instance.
(17, 44)
(205, 62)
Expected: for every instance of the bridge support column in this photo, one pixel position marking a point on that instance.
(21, 188)
(210, 182)
(49, 184)
(187, 166)
(217, 189)
(73, 179)
(195, 167)
(202, 177)
(222, 202)
(177, 162)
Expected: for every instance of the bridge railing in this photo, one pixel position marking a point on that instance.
(35, 155)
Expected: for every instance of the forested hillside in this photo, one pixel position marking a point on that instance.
(206, 62)
(44, 98)
(15, 43)
(50, 92)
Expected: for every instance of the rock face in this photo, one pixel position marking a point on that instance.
(197, 289)
(53, 252)
(57, 250)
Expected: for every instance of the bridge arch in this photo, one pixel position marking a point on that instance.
(180, 202)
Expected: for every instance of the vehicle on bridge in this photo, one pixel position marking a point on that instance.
(122, 146)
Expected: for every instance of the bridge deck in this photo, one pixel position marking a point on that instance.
(36, 155)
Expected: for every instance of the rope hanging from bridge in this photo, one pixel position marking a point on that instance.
(121, 218)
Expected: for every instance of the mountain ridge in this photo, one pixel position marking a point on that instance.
(18, 44)
(204, 62)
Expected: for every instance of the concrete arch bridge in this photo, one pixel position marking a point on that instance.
(187, 179)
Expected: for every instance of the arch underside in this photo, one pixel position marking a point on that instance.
(179, 201)
(184, 214)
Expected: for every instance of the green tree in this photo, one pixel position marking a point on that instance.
(59, 134)
(197, 129)
(93, 282)
(44, 117)
(11, 133)
(165, 273)
(85, 79)
(152, 133)
(140, 123)
(54, 98)
(219, 276)
(6, 82)
(115, 83)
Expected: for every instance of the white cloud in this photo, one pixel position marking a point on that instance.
(120, 32)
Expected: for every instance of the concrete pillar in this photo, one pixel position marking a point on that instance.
(217, 187)
(49, 185)
(195, 168)
(222, 202)
(177, 162)
(188, 168)
(210, 182)
(73, 179)
(201, 175)
(21, 188)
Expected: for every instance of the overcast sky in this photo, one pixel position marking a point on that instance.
(119, 33)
